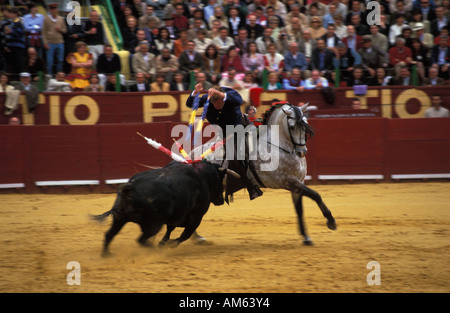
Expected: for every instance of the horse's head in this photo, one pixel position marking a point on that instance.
(297, 127)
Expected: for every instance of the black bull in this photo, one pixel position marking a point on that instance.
(177, 195)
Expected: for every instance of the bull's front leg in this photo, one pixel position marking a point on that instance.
(166, 237)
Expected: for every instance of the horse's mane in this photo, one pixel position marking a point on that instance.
(278, 104)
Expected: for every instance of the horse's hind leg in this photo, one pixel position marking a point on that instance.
(298, 203)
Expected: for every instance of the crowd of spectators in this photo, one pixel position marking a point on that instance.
(274, 44)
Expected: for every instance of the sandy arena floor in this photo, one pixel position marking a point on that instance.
(254, 246)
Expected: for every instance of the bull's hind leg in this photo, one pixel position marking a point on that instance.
(109, 235)
(298, 202)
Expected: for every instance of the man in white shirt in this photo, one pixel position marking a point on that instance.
(437, 110)
(316, 81)
(58, 84)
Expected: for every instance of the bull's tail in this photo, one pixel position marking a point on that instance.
(121, 194)
(102, 217)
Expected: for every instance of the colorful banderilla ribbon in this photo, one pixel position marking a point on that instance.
(200, 123)
(183, 153)
(163, 149)
(193, 114)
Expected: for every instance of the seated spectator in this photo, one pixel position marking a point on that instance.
(355, 9)
(341, 28)
(178, 83)
(212, 64)
(234, 21)
(160, 84)
(34, 64)
(322, 59)
(440, 21)
(426, 39)
(352, 41)
(218, 15)
(315, 81)
(404, 79)
(129, 34)
(360, 28)
(201, 41)
(294, 81)
(396, 29)
(149, 15)
(356, 104)
(265, 40)
(273, 82)
(231, 81)
(197, 26)
(180, 44)
(294, 58)
(223, 41)
(357, 77)
(249, 80)
(141, 85)
(81, 62)
(417, 18)
(372, 57)
(380, 79)
(232, 60)
(31, 91)
(94, 84)
(330, 38)
(316, 28)
(169, 25)
(433, 78)
(190, 61)
(180, 20)
(163, 40)
(306, 45)
(11, 95)
(277, 31)
(420, 57)
(378, 39)
(437, 110)
(111, 84)
(144, 61)
(108, 63)
(399, 55)
(253, 61)
(274, 60)
(346, 59)
(166, 64)
(440, 57)
(241, 41)
(200, 78)
(58, 84)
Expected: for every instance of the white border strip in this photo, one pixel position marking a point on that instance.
(67, 183)
(419, 176)
(117, 181)
(344, 177)
(13, 185)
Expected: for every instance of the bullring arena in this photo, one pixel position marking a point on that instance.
(382, 171)
(254, 246)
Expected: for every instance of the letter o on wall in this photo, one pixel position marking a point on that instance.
(71, 105)
(402, 99)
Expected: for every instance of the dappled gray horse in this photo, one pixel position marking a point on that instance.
(292, 132)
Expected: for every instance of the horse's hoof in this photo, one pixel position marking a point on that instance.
(332, 225)
(308, 242)
(199, 240)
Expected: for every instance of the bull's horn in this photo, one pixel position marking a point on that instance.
(231, 172)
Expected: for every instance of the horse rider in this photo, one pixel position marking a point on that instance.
(225, 109)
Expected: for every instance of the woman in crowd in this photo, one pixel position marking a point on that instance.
(81, 62)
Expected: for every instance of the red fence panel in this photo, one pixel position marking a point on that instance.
(347, 147)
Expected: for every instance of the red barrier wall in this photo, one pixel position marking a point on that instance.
(32, 157)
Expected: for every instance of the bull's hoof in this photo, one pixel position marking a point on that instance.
(106, 254)
(332, 225)
(199, 240)
(172, 243)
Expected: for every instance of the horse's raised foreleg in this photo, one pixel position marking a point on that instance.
(300, 188)
(298, 203)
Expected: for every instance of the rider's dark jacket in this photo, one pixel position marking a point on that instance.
(230, 114)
